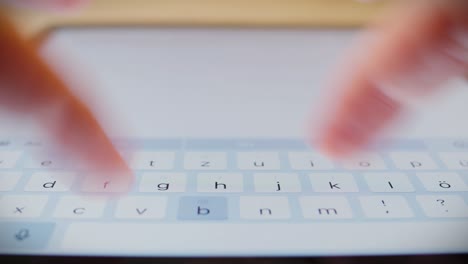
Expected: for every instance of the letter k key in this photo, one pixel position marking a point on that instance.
(334, 186)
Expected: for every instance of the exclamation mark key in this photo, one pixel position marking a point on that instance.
(385, 207)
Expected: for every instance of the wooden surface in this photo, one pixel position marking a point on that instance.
(284, 13)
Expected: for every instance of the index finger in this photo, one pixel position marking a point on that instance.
(409, 54)
(28, 85)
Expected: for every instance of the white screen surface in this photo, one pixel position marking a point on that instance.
(222, 82)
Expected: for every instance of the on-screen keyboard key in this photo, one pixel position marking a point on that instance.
(8, 180)
(22, 206)
(203, 208)
(80, 207)
(146, 160)
(258, 161)
(455, 160)
(264, 207)
(8, 159)
(163, 182)
(333, 182)
(38, 161)
(276, 182)
(50, 181)
(25, 235)
(205, 161)
(413, 161)
(365, 161)
(388, 182)
(325, 207)
(385, 207)
(96, 183)
(141, 207)
(309, 161)
(442, 181)
(443, 206)
(220, 182)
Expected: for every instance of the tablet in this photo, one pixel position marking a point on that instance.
(213, 121)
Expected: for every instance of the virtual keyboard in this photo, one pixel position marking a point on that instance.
(231, 181)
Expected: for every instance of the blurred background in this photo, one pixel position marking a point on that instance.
(284, 13)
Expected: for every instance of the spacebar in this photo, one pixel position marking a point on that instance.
(208, 238)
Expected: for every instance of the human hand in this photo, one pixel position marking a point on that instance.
(408, 54)
(28, 86)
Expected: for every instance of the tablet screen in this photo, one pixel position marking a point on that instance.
(224, 114)
(223, 83)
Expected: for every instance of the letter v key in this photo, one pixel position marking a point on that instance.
(140, 212)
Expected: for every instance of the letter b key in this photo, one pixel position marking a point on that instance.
(202, 208)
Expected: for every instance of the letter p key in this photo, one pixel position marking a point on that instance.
(413, 161)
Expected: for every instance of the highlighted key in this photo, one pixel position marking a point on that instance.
(202, 208)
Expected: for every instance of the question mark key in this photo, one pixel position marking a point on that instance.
(447, 206)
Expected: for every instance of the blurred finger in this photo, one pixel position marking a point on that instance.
(29, 86)
(409, 54)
